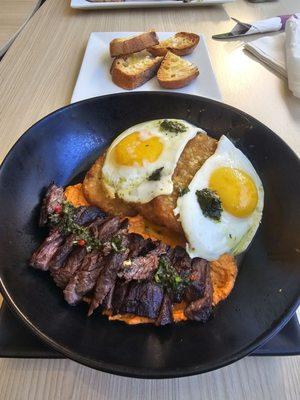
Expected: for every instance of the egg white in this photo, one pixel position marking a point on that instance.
(131, 183)
(206, 237)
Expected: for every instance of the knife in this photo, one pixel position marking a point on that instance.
(229, 35)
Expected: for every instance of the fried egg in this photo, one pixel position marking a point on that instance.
(230, 223)
(140, 162)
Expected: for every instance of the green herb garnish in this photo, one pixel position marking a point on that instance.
(65, 221)
(183, 191)
(167, 276)
(172, 126)
(116, 243)
(156, 175)
(210, 203)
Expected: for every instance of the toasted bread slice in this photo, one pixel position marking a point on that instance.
(181, 44)
(134, 70)
(175, 72)
(125, 46)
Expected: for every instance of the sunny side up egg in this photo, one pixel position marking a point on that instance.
(223, 207)
(140, 162)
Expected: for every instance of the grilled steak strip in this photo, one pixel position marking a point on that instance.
(165, 314)
(119, 296)
(112, 234)
(198, 279)
(143, 267)
(139, 268)
(180, 260)
(86, 215)
(107, 279)
(108, 300)
(143, 299)
(53, 198)
(41, 258)
(62, 253)
(63, 275)
(138, 246)
(200, 309)
(109, 228)
(86, 276)
(84, 280)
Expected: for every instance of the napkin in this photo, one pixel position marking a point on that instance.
(282, 53)
(271, 51)
(292, 54)
(267, 25)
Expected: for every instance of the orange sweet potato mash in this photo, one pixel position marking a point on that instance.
(223, 270)
(74, 195)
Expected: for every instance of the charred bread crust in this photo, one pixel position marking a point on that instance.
(175, 72)
(119, 47)
(186, 43)
(131, 78)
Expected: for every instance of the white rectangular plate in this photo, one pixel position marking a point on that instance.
(83, 4)
(94, 77)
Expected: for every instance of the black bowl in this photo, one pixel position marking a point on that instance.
(60, 148)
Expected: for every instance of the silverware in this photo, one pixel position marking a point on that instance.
(240, 32)
(247, 26)
(227, 35)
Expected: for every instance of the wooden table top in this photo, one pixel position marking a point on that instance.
(13, 15)
(37, 76)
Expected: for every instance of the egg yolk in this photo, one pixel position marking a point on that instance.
(137, 148)
(236, 189)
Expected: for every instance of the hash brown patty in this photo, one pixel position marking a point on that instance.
(160, 209)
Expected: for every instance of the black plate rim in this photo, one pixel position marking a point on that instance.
(132, 371)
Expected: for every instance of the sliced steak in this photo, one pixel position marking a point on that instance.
(197, 285)
(108, 300)
(180, 260)
(41, 258)
(85, 279)
(140, 268)
(118, 274)
(165, 313)
(119, 296)
(109, 228)
(143, 267)
(112, 235)
(138, 246)
(178, 274)
(61, 259)
(107, 279)
(159, 248)
(200, 309)
(143, 299)
(86, 215)
(62, 253)
(191, 271)
(53, 199)
(63, 275)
